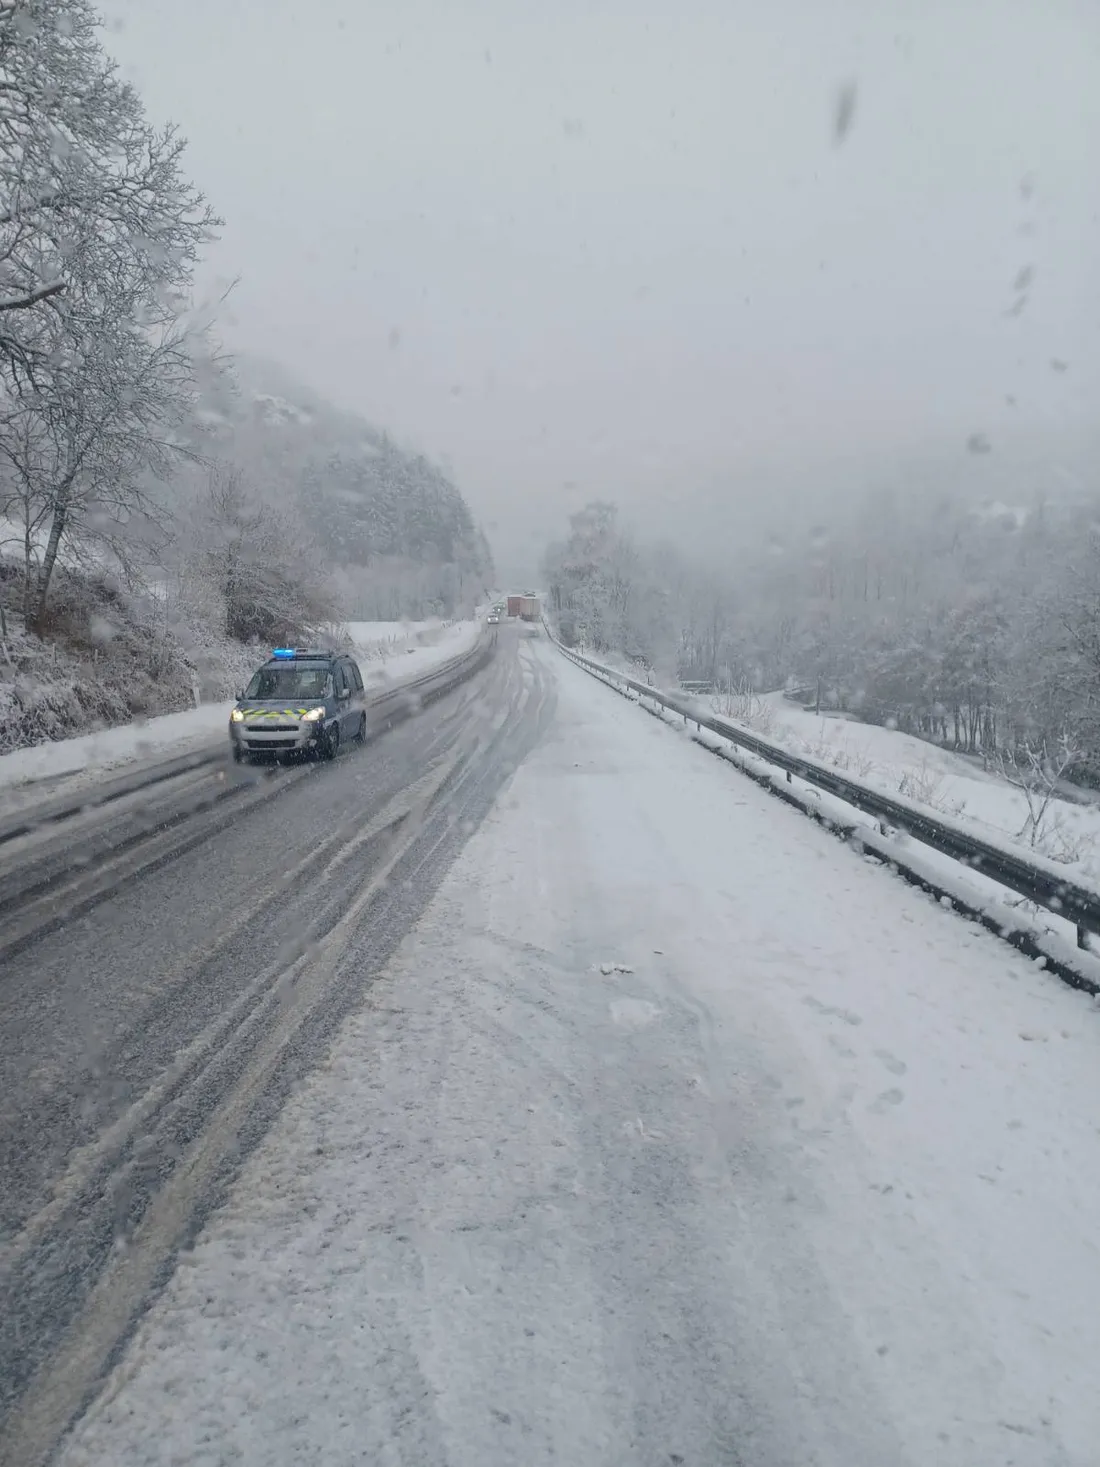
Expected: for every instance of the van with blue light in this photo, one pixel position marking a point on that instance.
(301, 701)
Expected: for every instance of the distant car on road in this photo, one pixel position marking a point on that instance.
(492, 618)
(301, 701)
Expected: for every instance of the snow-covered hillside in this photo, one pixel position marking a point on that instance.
(395, 535)
(283, 513)
(952, 784)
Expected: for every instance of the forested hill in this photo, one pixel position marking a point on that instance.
(971, 622)
(396, 533)
(378, 502)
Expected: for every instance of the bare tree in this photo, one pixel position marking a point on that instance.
(80, 444)
(99, 234)
(736, 698)
(263, 566)
(83, 178)
(1037, 772)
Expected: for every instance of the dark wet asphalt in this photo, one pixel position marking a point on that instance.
(146, 1043)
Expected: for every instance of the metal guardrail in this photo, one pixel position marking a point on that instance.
(1036, 883)
(403, 697)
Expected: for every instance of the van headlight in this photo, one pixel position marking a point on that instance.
(236, 716)
(312, 715)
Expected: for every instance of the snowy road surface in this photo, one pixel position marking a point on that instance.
(674, 1132)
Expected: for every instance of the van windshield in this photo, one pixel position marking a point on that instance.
(290, 682)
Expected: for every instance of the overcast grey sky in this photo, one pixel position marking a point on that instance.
(615, 248)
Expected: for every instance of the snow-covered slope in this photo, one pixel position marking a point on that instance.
(946, 782)
(397, 533)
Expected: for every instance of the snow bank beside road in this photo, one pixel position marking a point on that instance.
(383, 636)
(179, 733)
(162, 737)
(948, 785)
(810, 1175)
(896, 762)
(389, 659)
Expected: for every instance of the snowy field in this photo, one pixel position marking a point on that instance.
(411, 650)
(675, 1133)
(382, 638)
(943, 782)
(110, 748)
(946, 782)
(395, 651)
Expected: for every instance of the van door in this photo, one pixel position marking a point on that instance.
(349, 718)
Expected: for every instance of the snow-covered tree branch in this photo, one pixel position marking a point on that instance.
(99, 234)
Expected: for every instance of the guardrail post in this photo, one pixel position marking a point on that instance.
(1082, 938)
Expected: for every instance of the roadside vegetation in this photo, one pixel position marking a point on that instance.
(164, 510)
(974, 625)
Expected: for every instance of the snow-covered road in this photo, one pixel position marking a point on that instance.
(675, 1133)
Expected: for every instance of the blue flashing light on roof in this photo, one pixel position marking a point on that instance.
(282, 652)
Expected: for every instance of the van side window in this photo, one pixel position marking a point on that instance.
(356, 679)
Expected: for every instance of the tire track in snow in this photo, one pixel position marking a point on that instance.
(79, 1289)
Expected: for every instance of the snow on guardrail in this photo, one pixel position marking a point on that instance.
(1036, 879)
